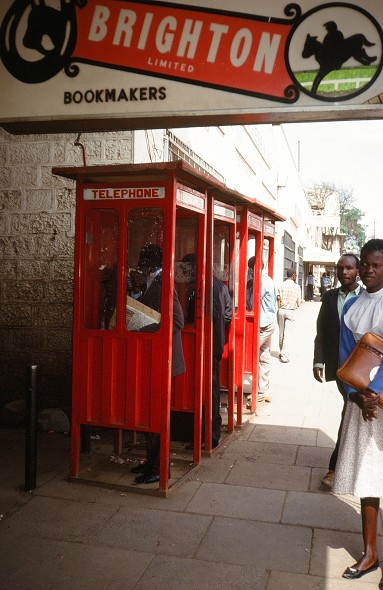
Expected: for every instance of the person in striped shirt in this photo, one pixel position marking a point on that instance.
(289, 299)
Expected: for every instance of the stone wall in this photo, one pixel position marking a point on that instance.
(37, 220)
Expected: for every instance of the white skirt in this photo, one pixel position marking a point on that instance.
(359, 468)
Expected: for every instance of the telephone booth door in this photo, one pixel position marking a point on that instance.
(190, 266)
(224, 268)
(249, 255)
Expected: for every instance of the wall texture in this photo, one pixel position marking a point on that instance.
(37, 219)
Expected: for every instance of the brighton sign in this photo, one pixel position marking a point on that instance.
(114, 64)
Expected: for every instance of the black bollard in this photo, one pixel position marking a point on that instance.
(31, 430)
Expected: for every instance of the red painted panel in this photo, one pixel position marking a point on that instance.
(183, 392)
(249, 334)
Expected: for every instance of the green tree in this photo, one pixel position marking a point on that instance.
(351, 218)
(319, 194)
(351, 225)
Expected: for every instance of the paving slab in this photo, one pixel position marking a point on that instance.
(61, 565)
(214, 471)
(156, 531)
(238, 502)
(287, 581)
(334, 551)
(65, 489)
(170, 573)
(313, 456)
(279, 417)
(55, 518)
(279, 454)
(322, 510)
(288, 435)
(269, 475)
(260, 544)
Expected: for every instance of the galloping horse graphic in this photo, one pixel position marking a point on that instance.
(335, 51)
(44, 21)
(48, 28)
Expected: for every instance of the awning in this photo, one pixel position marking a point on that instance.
(320, 256)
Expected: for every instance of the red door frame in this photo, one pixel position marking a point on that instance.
(193, 335)
(247, 322)
(226, 215)
(120, 347)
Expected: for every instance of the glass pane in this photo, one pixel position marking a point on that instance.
(221, 254)
(100, 269)
(236, 280)
(250, 272)
(185, 269)
(266, 256)
(144, 270)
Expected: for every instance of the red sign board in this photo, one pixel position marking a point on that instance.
(122, 64)
(212, 48)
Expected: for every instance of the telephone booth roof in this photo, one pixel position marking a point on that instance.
(179, 169)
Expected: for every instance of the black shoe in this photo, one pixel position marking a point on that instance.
(215, 443)
(147, 478)
(351, 573)
(140, 468)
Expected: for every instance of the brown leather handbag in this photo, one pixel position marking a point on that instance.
(359, 368)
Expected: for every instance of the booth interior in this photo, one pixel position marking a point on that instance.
(152, 239)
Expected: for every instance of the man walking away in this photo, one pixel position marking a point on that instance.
(266, 329)
(289, 300)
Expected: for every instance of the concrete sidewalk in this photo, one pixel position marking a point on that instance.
(252, 516)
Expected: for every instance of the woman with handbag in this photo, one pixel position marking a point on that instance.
(359, 469)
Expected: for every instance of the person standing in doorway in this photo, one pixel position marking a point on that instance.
(326, 344)
(289, 299)
(310, 283)
(222, 315)
(325, 284)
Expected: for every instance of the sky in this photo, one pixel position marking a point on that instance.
(348, 154)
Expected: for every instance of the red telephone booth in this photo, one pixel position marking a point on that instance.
(223, 267)
(250, 261)
(255, 228)
(122, 349)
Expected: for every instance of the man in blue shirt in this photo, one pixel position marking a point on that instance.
(267, 327)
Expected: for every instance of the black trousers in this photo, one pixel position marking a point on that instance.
(152, 445)
(334, 455)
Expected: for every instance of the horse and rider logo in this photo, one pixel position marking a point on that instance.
(37, 40)
(335, 50)
(341, 65)
(324, 58)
